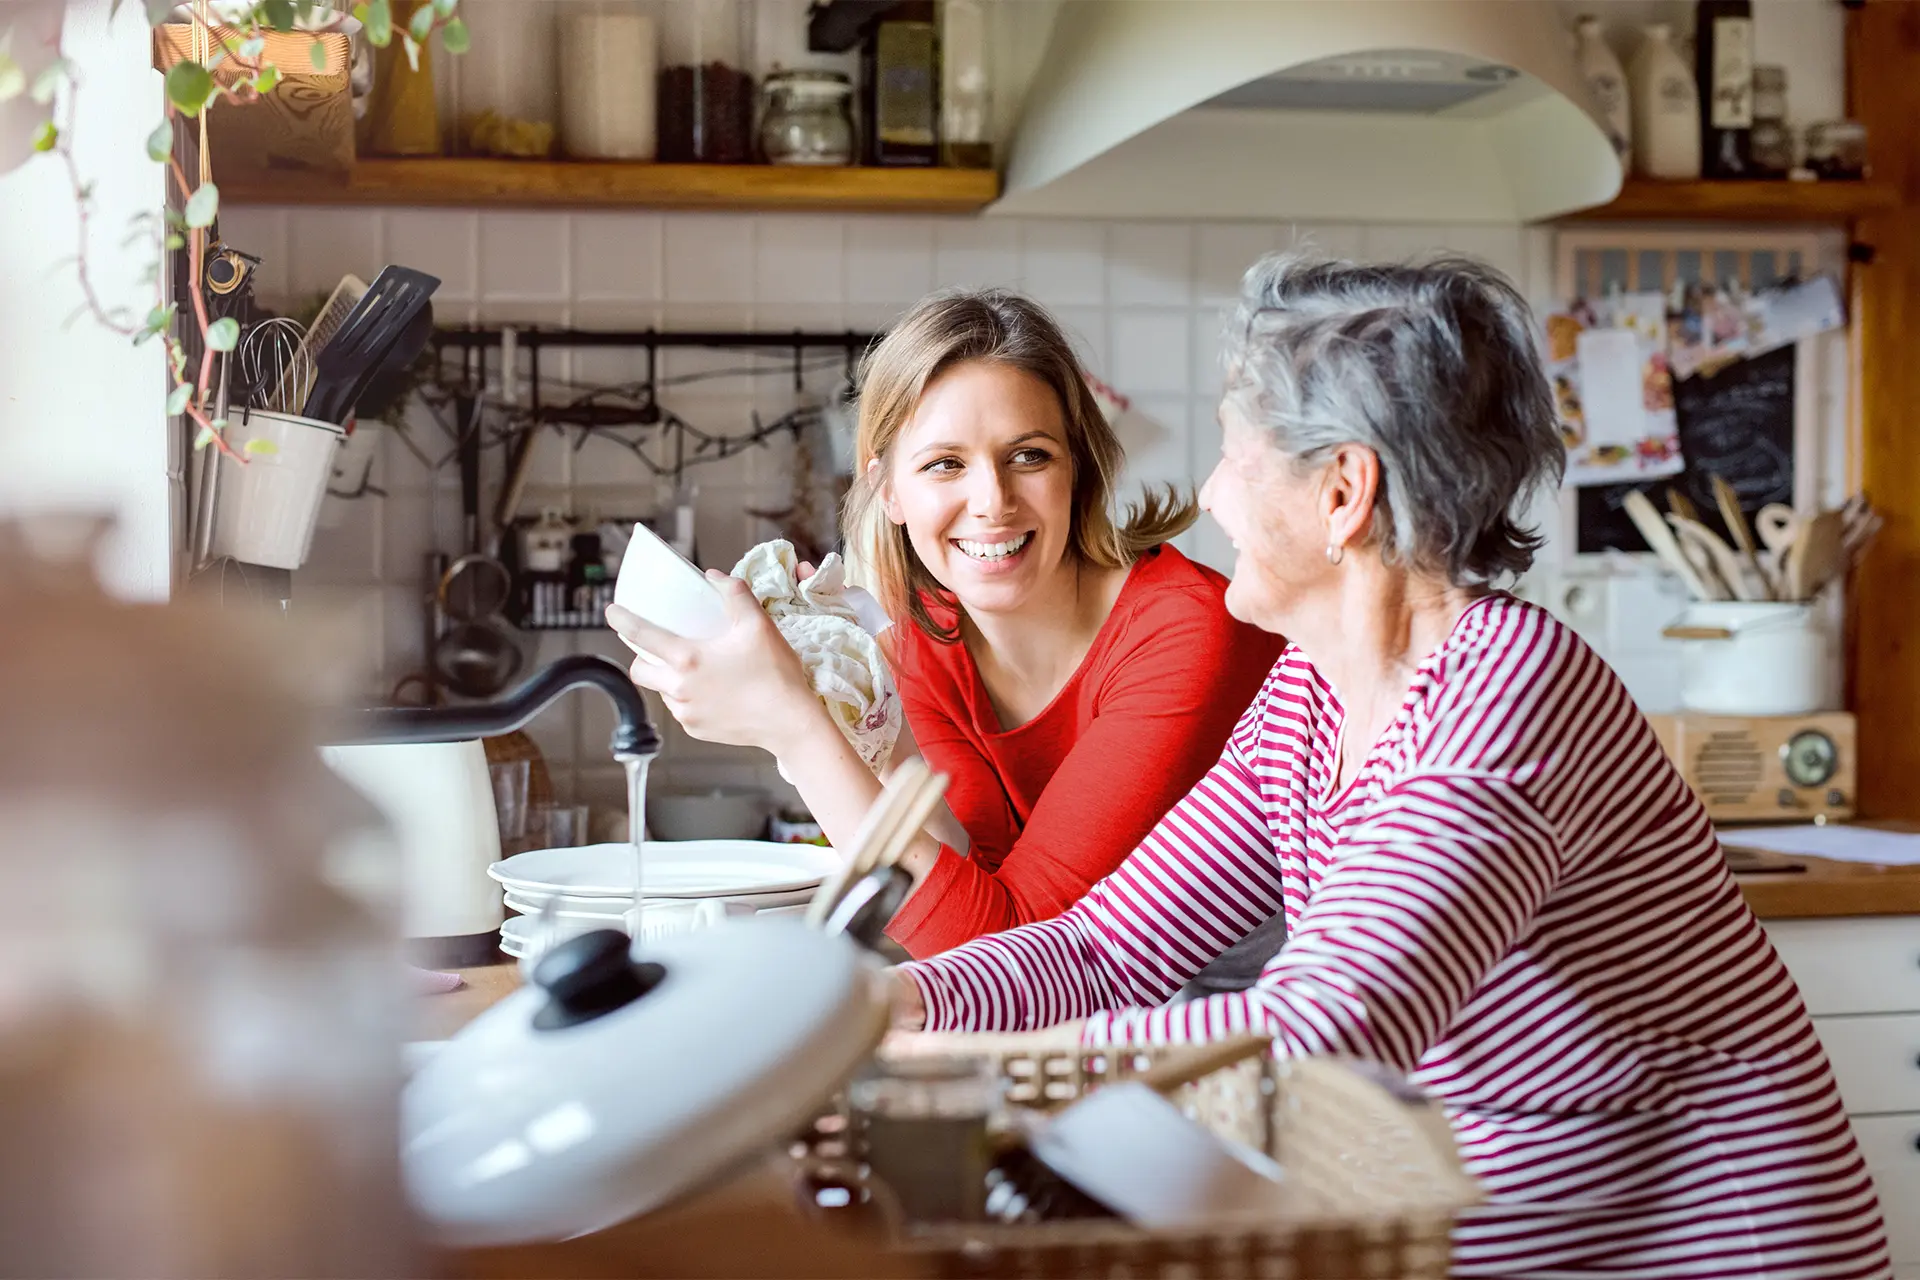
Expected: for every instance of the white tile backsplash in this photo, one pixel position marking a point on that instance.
(1142, 302)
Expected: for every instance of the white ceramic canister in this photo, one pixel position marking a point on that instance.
(1775, 660)
(267, 503)
(1607, 81)
(1665, 109)
(609, 70)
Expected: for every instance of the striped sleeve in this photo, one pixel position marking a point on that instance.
(1429, 892)
(1200, 880)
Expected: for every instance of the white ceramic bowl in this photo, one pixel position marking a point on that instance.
(661, 587)
(712, 813)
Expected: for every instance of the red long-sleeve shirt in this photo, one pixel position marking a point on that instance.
(1054, 805)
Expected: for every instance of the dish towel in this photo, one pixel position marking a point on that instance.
(832, 627)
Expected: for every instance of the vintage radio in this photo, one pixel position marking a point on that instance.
(1764, 768)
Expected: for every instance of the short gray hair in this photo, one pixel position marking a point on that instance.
(1436, 368)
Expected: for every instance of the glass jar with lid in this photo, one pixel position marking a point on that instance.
(1837, 150)
(808, 118)
(1772, 139)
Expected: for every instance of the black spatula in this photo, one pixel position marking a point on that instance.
(382, 319)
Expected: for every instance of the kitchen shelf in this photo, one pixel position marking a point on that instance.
(1643, 199)
(557, 184)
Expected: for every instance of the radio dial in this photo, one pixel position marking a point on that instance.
(1810, 758)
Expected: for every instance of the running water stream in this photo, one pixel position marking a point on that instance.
(636, 835)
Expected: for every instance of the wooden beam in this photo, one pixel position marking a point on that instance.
(1883, 74)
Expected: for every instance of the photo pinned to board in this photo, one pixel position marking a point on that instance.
(1711, 326)
(1613, 387)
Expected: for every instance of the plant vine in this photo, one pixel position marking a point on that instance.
(234, 72)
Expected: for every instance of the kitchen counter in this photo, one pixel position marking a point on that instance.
(1817, 889)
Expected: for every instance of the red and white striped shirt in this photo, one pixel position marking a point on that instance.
(1516, 901)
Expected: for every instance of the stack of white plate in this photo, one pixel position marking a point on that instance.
(689, 884)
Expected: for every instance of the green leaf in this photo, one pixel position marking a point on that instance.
(279, 14)
(268, 79)
(203, 205)
(379, 20)
(251, 49)
(445, 8)
(158, 321)
(223, 334)
(46, 137)
(47, 83)
(188, 87)
(175, 241)
(260, 447)
(454, 37)
(317, 55)
(420, 26)
(160, 142)
(177, 401)
(202, 439)
(413, 52)
(13, 81)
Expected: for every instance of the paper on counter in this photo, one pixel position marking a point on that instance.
(1836, 841)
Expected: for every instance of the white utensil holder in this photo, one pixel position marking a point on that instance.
(1776, 659)
(265, 508)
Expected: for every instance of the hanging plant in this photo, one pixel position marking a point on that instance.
(230, 68)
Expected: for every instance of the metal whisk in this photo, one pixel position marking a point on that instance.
(276, 370)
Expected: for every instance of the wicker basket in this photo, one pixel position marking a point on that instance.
(1373, 1178)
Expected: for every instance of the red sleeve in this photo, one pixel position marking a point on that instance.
(1171, 693)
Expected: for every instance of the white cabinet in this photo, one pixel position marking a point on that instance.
(1861, 981)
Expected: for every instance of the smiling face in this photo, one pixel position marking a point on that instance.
(1272, 516)
(981, 479)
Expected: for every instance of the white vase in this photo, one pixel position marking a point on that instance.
(1665, 109)
(1607, 81)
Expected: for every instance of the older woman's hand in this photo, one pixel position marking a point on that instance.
(744, 686)
(908, 1006)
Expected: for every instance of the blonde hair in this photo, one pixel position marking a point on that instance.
(951, 328)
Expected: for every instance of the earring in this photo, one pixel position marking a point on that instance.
(1335, 553)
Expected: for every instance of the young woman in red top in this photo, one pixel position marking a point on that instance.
(1072, 676)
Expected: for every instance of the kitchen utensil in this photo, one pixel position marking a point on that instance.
(674, 869)
(1720, 560)
(273, 359)
(866, 910)
(657, 584)
(904, 794)
(1776, 658)
(1731, 515)
(475, 657)
(1817, 556)
(389, 380)
(439, 800)
(507, 508)
(1861, 523)
(1661, 539)
(382, 317)
(1129, 1149)
(715, 813)
(333, 313)
(1777, 526)
(1679, 504)
(265, 509)
(613, 1085)
(1701, 560)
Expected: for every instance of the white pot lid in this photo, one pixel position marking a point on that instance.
(587, 1099)
(673, 869)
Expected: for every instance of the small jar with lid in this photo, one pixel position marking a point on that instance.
(807, 118)
(1837, 150)
(1772, 142)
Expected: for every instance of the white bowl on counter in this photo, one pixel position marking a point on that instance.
(707, 813)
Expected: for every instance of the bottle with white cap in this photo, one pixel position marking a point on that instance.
(1607, 81)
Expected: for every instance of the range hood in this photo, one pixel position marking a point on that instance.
(1311, 110)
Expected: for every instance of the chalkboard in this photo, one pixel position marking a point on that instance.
(1738, 423)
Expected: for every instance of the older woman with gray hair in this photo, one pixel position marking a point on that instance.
(1491, 878)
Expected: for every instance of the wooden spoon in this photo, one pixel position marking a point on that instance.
(1665, 545)
(1735, 519)
(1817, 556)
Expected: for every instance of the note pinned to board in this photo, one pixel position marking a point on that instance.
(1836, 841)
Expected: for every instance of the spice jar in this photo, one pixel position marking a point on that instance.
(706, 100)
(808, 118)
(925, 1128)
(1837, 149)
(1772, 141)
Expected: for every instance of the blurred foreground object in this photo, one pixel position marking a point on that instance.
(199, 1064)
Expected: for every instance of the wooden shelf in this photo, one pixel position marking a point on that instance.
(1643, 199)
(589, 184)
